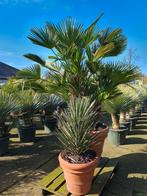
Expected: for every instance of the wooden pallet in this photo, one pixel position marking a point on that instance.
(54, 183)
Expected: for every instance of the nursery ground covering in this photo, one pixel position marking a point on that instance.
(25, 164)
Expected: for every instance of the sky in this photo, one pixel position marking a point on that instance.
(17, 17)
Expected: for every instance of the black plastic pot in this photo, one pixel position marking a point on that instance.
(133, 121)
(126, 124)
(27, 134)
(37, 121)
(4, 143)
(117, 136)
(50, 125)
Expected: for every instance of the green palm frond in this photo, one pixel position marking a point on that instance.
(114, 37)
(36, 59)
(119, 104)
(49, 103)
(75, 125)
(29, 103)
(8, 104)
(43, 36)
(32, 72)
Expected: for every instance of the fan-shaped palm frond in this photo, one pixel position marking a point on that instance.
(8, 104)
(29, 104)
(50, 103)
(32, 72)
(114, 37)
(119, 104)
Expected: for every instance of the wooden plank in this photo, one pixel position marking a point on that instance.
(102, 178)
(63, 190)
(56, 183)
(50, 177)
(98, 169)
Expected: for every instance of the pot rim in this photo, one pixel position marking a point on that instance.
(102, 130)
(77, 167)
(118, 130)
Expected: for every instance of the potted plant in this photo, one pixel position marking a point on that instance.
(117, 133)
(8, 104)
(29, 104)
(51, 105)
(74, 132)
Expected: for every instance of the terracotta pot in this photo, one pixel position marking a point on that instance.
(78, 176)
(100, 139)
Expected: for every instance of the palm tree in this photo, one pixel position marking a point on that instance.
(76, 68)
(70, 42)
(120, 104)
(74, 47)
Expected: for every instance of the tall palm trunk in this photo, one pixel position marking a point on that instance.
(115, 121)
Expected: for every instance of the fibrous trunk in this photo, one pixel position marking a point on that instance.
(115, 121)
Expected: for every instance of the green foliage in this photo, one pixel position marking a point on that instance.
(75, 125)
(119, 104)
(69, 41)
(30, 78)
(29, 103)
(8, 104)
(50, 103)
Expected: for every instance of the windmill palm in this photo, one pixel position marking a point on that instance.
(119, 104)
(79, 51)
(69, 41)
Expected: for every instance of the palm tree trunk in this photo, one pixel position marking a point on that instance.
(115, 121)
(123, 116)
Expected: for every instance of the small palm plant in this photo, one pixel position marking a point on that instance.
(75, 125)
(8, 104)
(51, 104)
(114, 106)
(120, 104)
(29, 104)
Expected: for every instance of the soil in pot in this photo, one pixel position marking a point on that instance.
(78, 171)
(27, 133)
(117, 136)
(100, 132)
(4, 143)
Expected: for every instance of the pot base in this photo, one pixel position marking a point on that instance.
(117, 137)
(4, 142)
(78, 176)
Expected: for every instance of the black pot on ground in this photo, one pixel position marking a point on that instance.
(126, 124)
(37, 120)
(117, 136)
(133, 120)
(50, 125)
(4, 143)
(27, 133)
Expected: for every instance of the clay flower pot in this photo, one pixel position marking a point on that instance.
(100, 135)
(78, 176)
